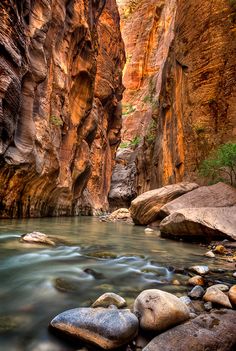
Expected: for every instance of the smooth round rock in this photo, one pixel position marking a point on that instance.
(108, 328)
(197, 292)
(109, 299)
(200, 269)
(232, 295)
(234, 274)
(215, 295)
(159, 310)
(210, 254)
(196, 280)
(37, 238)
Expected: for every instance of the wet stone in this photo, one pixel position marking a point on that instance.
(197, 292)
(106, 328)
(109, 299)
(221, 287)
(202, 270)
(196, 280)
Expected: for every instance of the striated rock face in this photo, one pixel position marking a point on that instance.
(196, 104)
(179, 102)
(60, 88)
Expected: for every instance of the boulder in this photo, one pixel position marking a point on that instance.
(216, 296)
(120, 215)
(232, 295)
(201, 223)
(37, 238)
(209, 331)
(108, 328)
(146, 207)
(217, 195)
(159, 310)
(109, 299)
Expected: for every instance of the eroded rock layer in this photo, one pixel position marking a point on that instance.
(60, 87)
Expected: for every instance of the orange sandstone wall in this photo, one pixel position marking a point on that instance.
(56, 105)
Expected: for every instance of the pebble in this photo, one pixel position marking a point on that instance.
(220, 249)
(197, 292)
(148, 230)
(234, 274)
(109, 299)
(200, 269)
(196, 280)
(210, 254)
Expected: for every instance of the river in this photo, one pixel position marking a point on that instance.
(92, 257)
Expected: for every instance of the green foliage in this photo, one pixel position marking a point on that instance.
(127, 109)
(221, 165)
(124, 145)
(133, 143)
(56, 121)
(151, 133)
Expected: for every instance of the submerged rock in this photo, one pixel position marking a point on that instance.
(146, 207)
(210, 254)
(216, 296)
(159, 310)
(37, 238)
(106, 328)
(108, 299)
(201, 223)
(200, 269)
(209, 331)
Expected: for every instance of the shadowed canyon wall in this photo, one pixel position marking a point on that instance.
(180, 78)
(60, 86)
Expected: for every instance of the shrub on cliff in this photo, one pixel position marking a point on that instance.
(221, 165)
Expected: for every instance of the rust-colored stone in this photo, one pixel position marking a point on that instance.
(56, 112)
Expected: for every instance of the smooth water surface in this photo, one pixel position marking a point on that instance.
(38, 282)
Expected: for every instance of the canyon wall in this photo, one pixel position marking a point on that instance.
(196, 106)
(180, 78)
(60, 117)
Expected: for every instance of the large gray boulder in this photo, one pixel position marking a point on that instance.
(159, 310)
(145, 209)
(217, 195)
(201, 223)
(108, 328)
(209, 331)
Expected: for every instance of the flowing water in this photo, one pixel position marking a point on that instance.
(37, 282)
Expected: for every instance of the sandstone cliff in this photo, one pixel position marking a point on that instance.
(60, 120)
(180, 76)
(196, 108)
